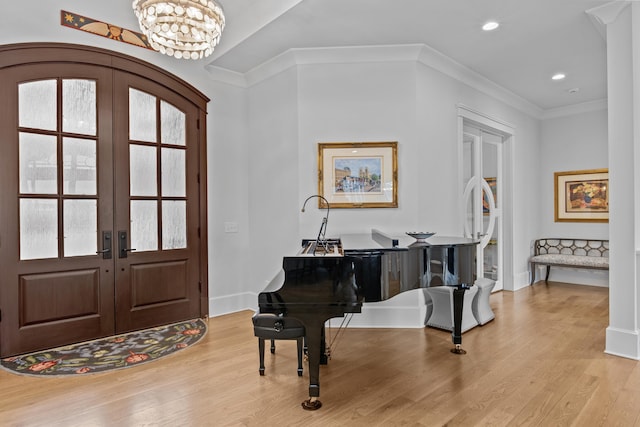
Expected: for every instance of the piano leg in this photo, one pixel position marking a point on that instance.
(456, 335)
(324, 357)
(315, 353)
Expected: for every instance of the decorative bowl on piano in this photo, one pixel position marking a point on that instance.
(420, 236)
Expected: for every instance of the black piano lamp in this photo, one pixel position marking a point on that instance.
(321, 239)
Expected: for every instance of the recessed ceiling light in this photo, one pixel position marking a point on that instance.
(490, 26)
(558, 76)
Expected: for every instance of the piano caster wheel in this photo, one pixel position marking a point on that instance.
(458, 350)
(311, 404)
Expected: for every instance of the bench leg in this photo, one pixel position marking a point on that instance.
(546, 279)
(532, 267)
(299, 344)
(261, 352)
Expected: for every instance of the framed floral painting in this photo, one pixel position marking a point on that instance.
(582, 196)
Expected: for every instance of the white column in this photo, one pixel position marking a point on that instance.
(622, 19)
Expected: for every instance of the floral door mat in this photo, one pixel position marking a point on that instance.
(105, 354)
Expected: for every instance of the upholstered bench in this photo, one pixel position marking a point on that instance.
(573, 253)
(273, 327)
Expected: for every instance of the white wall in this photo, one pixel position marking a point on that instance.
(274, 204)
(358, 102)
(228, 187)
(365, 102)
(262, 146)
(351, 101)
(570, 143)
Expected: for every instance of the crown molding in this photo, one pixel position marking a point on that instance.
(418, 53)
(224, 75)
(570, 110)
(440, 62)
(605, 14)
(332, 55)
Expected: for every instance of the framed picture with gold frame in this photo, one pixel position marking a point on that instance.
(358, 174)
(582, 196)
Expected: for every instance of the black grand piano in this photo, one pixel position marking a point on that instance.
(328, 280)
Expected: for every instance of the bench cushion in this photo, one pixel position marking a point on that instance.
(575, 260)
(272, 326)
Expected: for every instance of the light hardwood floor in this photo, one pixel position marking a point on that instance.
(540, 362)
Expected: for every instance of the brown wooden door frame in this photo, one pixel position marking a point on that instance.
(73, 56)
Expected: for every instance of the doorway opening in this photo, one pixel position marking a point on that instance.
(485, 147)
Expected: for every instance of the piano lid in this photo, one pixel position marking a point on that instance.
(378, 240)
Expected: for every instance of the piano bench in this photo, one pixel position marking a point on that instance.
(274, 327)
(442, 310)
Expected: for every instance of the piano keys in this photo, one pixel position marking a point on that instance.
(322, 282)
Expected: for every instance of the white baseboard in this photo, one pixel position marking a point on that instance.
(375, 316)
(623, 343)
(521, 280)
(219, 306)
(403, 311)
(578, 276)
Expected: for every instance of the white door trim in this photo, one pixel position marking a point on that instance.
(467, 115)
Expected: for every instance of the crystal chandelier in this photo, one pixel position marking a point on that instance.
(184, 29)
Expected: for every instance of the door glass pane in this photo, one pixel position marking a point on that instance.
(492, 223)
(491, 255)
(173, 124)
(173, 172)
(79, 174)
(468, 153)
(142, 116)
(80, 227)
(37, 104)
(490, 163)
(143, 170)
(174, 224)
(38, 228)
(144, 225)
(38, 164)
(79, 106)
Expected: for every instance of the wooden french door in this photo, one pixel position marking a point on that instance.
(156, 196)
(100, 210)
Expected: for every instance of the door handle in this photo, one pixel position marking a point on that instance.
(122, 239)
(106, 245)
